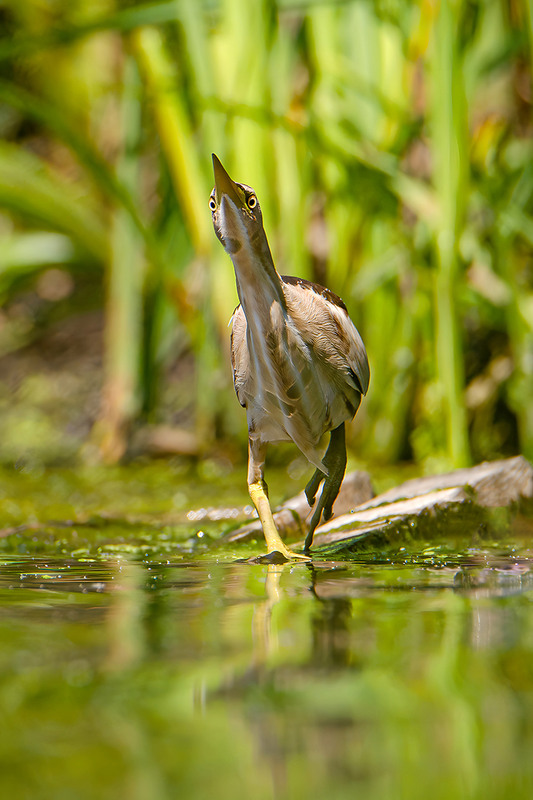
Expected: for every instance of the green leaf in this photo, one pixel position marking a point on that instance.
(29, 189)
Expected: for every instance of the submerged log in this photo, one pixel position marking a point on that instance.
(361, 516)
(493, 484)
(290, 518)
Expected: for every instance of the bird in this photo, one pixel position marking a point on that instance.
(300, 367)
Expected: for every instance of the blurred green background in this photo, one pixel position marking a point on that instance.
(390, 146)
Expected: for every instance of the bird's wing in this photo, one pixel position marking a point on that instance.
(309, 368)
(352, 347)
(323, 318)
(240, 358)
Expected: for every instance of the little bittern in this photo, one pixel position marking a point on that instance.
(299, 364)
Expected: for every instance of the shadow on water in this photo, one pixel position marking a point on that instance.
(392, 675)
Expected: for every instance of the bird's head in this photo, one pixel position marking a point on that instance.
(236, 213)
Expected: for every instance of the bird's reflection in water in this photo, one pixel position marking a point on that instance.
(330, 640)
(276, 725)
(268, 728)
(265, 642)
(330, 627)
(331, 643)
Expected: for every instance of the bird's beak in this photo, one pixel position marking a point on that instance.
(224, 185)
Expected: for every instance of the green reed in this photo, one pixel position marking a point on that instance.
(390, 147)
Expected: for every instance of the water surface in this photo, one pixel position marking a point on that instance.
(138, 660)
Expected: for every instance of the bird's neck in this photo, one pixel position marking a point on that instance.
(259, 285)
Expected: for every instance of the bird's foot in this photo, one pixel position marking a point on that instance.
(335, 462)
(277, 557)
(277, 549)
(324, 505)
(286, 555)
(278, 552)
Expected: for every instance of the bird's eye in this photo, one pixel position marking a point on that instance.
(212, 204)
(252, 201)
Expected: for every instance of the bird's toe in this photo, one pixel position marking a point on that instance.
(312, 487)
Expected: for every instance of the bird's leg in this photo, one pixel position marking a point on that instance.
(259, 494)
(335, 461)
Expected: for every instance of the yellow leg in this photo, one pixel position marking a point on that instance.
(258, 492)
(273, 539)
